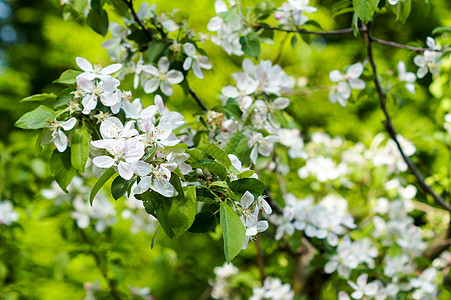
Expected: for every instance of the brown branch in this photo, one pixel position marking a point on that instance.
(391, 129)
(347, 31)
(304, 31)
(398, 45)
(135, 16)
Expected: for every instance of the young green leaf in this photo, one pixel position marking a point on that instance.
(154, 50)
(183, 211)
(237, 144)
(233, 232)
(98, 21)
(217, 153)
(120, 186)
(252, 185)
(36, 119)
(250, 44)
(63, 98)
(104, 178)
(80, 149)
(403, 9)
(61, 168)
(68, 77)
(39, 97)
(365, 9)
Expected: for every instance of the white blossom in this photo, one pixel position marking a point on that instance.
(162, 77)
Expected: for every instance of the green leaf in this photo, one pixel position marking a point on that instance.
(155, 236)
(250, 44)
(365, 9)
(36, 119)
(80, 5)
(63, 98)
(233, 232)
(234, 110)
(96, 6)
(264, 9)
(80, 149)
(213, 167)
(217, 153)
(121, 8)
(61, 168)
(158, 206)
(68, 77)
(39, 97)
(154, 50)
(355, 25)
(98, 21)
(294, 41)
(252, 185)
(37, 145)
(441, 29)
(183, 211)
(120, 186)
(196, 154)
(104, 178)
(206, 220)
(403, 9)
(237, 144)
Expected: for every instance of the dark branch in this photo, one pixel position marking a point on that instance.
(149, 37)
(135, 16)
(199, 102)
(330, 32)
(398, 45)
(347, 31)
(391, 129)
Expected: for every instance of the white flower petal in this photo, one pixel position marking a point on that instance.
(103, 161)
(84, 64)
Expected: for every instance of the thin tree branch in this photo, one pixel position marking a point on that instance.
(198, 100)
(347, 31)
(149, 37)
(135, 16)
(398, 45)
(391, 129)
(304, 31)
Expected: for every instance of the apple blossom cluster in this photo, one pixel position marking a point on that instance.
(223, 287)
(93, 291)
(292, 13)
(405, 243)
(257, 94)
(229, 27)
(7, 213)
(220, 286)
(430, 60)
(350, 255)
(272, 288)
(326, 220)
(249, 211)
(101, 214)
(408, 77)
(144, 152)
(345, 82)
